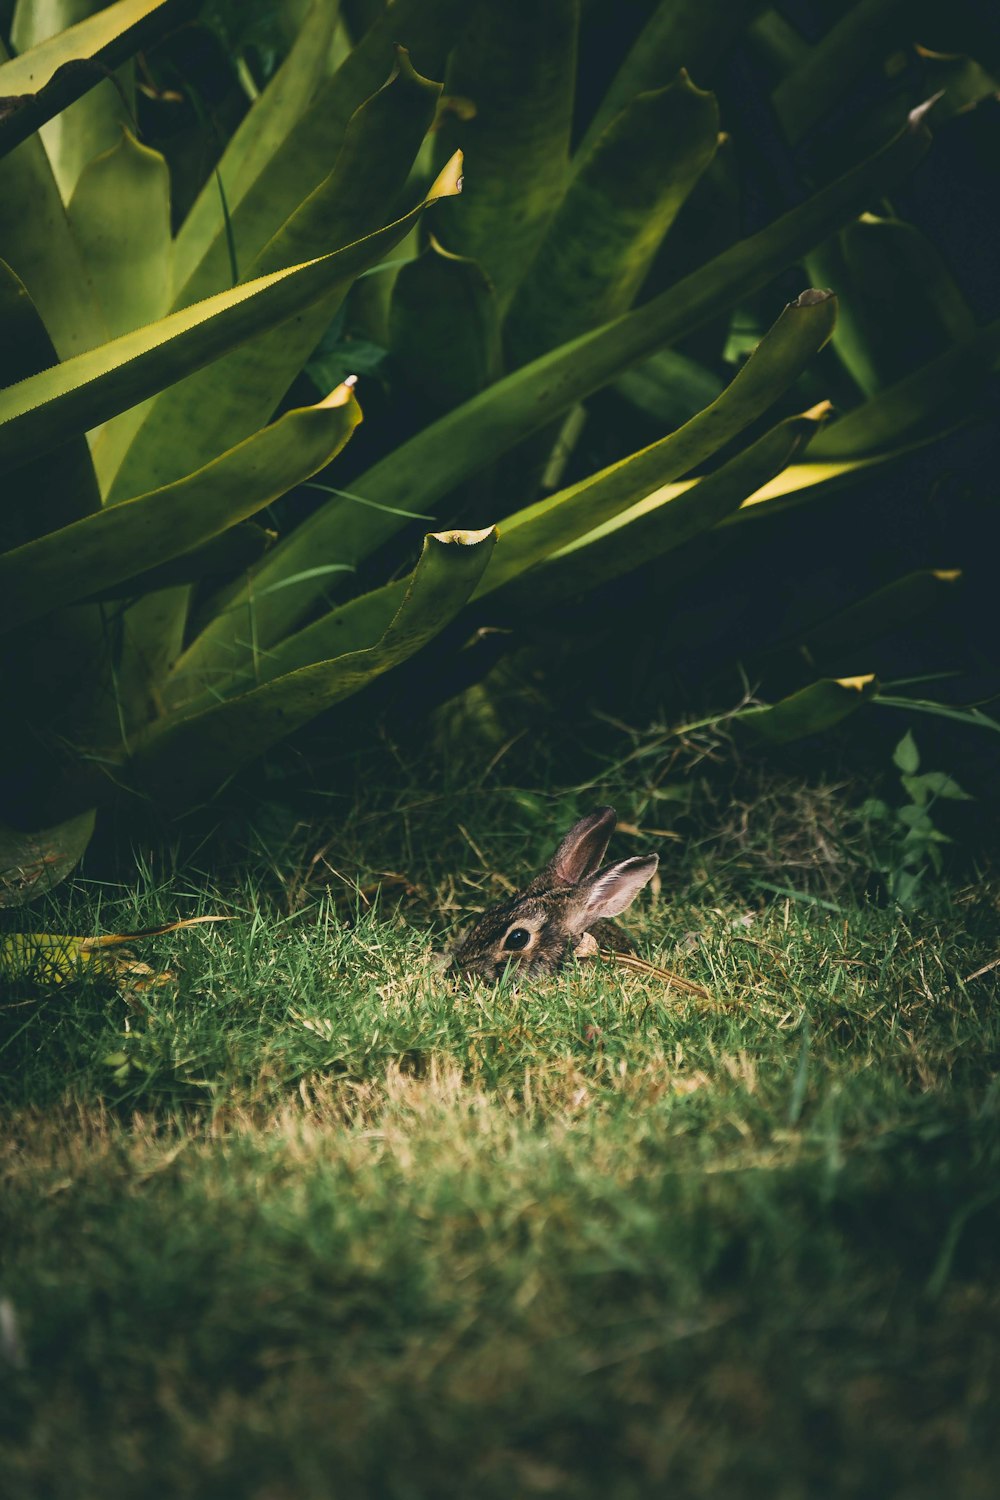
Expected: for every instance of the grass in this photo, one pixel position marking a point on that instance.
(310, 1221)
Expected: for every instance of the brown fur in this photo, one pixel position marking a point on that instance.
(565, 909)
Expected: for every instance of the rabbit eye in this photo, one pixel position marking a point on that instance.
(517, 937)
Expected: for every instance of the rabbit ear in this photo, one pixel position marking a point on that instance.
(612, 890)
(582, 850)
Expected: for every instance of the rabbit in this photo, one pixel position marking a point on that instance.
(564, 913)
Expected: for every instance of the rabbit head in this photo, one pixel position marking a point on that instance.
(548, 923)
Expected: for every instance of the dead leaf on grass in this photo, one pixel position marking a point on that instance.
(58, 957)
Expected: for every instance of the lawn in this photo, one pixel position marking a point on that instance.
(310, 1220)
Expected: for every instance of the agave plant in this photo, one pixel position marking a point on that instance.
(156, 637)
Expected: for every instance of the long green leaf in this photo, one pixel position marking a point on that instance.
(93, 124)
(930, 397)
(290, 152)
(183, 755)
(58, 485)
(60, 70)
(257, 140)
(110, 36)
(670, 387)
(689, 34)
(868, 30)
(532, 534)
(228, 553)
(516, 62)
(444, 329)
(661, 522)
(886, 610)
(469, 439)
(618, 208)
(900, 303)
(82, 392)
(54, 679)
(813, 709)
(35, 241)
(972, 716)
(120, 218)
(348, 628)
(189, 423)
(122, 540)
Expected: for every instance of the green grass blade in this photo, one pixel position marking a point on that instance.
(974, 717)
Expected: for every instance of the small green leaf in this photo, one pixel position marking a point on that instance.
(916, 818)
(906, 757)
(934, 784)
(904, 886)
